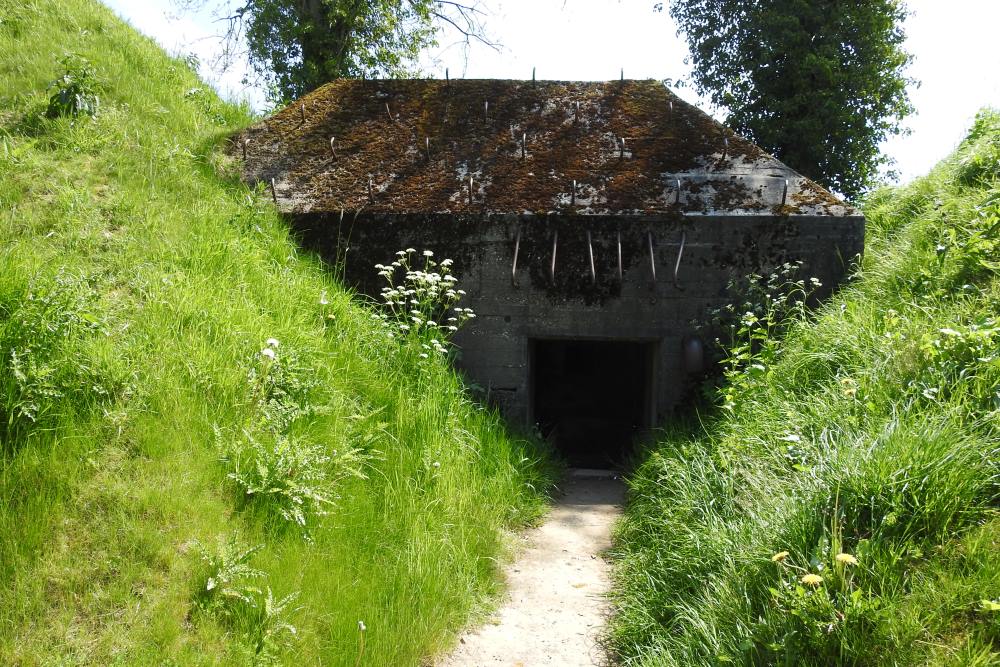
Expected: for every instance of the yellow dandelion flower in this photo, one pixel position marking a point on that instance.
(811, 579)
(847, 559)
(780, 556)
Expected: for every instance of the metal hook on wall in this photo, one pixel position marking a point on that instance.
(555, 246)
(652, 257)
(513, 268)
(677, 264)
(590, 253)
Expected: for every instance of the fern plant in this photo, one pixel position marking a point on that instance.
(229, 573)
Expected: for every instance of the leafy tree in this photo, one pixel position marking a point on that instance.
(297, 45)
(819, 83)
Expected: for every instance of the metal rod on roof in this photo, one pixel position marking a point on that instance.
(517, 249)
(590, 253)
(486, 111)
(677, 192)
(524, 144)
(623, 75)
(427, 146)
(389, 111)
(576, 112)
(532, 75)
(274, 192)
(670, 115)
(333, 146)
(447, 78)
(725, 147)
(555, 245)
(621, 150)
(470, 190)
(572, 195)
(302, 106)
(652, 257)
(371, 191)
(677, 264)
(784, 192)
(620, 272)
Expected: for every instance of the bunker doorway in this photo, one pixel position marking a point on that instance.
(592, 399)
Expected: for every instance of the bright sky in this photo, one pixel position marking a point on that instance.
(955, 56)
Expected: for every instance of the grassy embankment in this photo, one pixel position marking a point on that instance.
(138, 287)
(872, 430)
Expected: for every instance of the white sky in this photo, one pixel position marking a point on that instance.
(955, 57)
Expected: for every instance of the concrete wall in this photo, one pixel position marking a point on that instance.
(496, 345)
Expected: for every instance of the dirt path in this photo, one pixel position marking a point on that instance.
(556, 608)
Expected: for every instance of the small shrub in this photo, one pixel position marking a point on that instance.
(75, 91)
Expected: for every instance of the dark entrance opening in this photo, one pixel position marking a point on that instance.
(592, 398)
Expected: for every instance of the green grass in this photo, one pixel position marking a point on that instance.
(139, 281)
(873, 429)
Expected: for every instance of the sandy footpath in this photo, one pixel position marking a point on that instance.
(556, 606)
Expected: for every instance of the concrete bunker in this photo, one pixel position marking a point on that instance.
(590, 223)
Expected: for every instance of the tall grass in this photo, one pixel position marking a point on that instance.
(872, 430)
(139, 284)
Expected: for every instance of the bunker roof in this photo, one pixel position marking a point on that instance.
(516, 147)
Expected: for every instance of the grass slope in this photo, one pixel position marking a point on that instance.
(137, 290)
(873, 431)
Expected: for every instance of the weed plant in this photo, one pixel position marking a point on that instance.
(173, 370)
(842, 509)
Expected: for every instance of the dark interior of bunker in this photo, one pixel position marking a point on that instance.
(591, 398)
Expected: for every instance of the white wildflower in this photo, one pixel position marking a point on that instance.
(272, 342)
(267, 352)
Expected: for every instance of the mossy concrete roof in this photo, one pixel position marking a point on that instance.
(412, 146)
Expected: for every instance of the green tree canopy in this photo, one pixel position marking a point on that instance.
(819, 83)
(297, 45)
